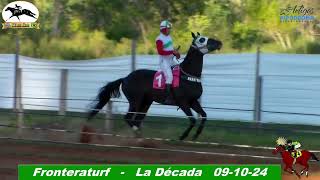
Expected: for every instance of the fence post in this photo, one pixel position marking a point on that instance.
(258, 90)
(17, 102)
(63, 92)
(108, 125)
(133, 54)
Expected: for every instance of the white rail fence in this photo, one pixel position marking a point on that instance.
(290, 85)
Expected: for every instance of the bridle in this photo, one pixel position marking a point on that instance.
(189, 77)
(199, 48)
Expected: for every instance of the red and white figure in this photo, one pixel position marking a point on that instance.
(166, 51)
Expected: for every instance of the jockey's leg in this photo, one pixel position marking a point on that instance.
(166, 68)
(197, 108)
(165, 65)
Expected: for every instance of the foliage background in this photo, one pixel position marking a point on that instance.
(85, 29)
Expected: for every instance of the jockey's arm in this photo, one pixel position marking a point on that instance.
(296, 145)
(160, 49)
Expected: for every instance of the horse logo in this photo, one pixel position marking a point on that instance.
(302, 157)
(20, 14)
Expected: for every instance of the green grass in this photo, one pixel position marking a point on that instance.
(226, 132)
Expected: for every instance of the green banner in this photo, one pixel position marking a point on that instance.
(118, 172)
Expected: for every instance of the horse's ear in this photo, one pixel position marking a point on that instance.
(193, 35)
(198, 33)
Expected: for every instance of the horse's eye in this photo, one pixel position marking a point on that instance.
(201, 40)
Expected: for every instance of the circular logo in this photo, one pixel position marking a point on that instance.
(20, 11)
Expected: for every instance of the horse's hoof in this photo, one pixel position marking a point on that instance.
(307, 174)
(85, 136)
(182, 137)
(301, 172)
(138, 134)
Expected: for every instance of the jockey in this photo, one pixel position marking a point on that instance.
(166, 53)
(18, 7)
(293, 147)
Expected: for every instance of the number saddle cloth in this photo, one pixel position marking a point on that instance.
(159, 80)
(296, 153)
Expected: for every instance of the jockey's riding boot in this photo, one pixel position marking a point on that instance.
(169, 99)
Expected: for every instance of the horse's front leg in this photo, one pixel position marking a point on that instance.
(294, 171)
(305, 169)
(197, 108)
(291, 170)
(188, 112)
(286, 169)
(9, 18)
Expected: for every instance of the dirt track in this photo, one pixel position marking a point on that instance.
(14, 152)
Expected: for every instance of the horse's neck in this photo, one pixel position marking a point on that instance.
(193, 62)
(13, 10)
(285, 153)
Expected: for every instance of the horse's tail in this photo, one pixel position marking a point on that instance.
(314, 156)
(111, 90)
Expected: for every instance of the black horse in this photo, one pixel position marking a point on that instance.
(138, 88)
(17, 12)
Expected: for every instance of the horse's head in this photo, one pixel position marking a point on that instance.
(10, 9)
(278, 149)
(281, 142)
(205, 44)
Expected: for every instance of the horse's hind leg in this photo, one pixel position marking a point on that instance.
(197, 107)
(141, 114)
(130, 115)
(133, 118)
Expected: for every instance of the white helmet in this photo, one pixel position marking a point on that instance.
(165, 24)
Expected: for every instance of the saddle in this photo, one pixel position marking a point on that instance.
(159, 79)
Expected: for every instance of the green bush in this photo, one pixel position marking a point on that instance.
(307, 48)
(78, 47)
(243, 36)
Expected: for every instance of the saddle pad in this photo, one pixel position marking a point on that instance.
(159, 80)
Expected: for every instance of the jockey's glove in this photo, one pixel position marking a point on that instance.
(176, 54)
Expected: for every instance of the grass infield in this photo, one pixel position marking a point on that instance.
(218, 131)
